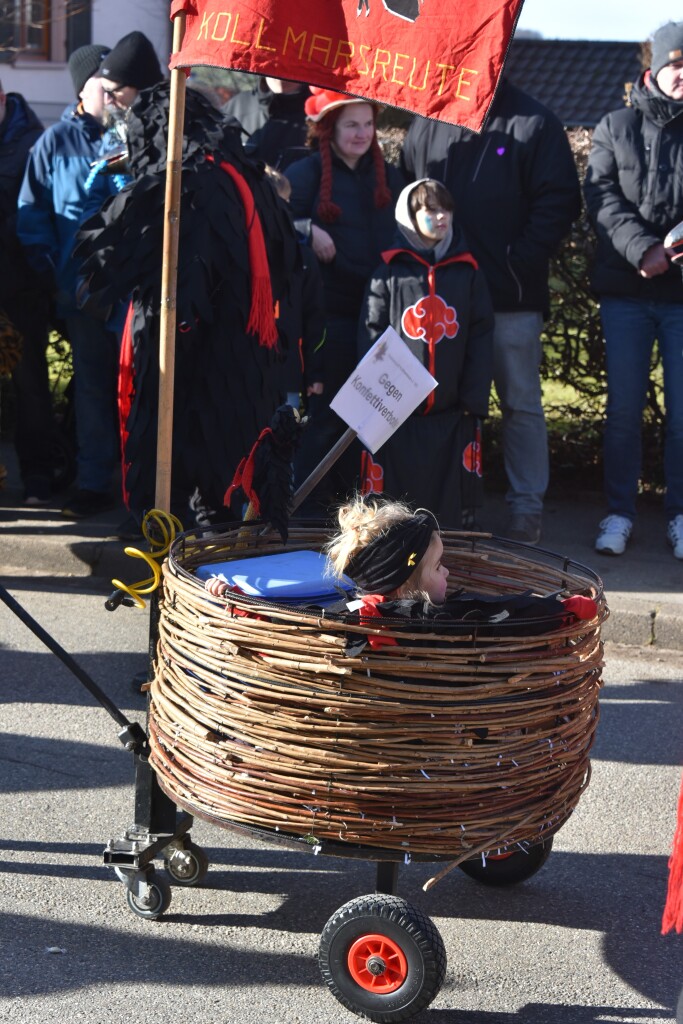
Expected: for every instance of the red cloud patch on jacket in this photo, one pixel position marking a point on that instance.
(430, 319)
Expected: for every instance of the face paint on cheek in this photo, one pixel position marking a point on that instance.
(429, 222)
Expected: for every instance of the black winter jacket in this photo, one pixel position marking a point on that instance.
(273, 124)
(455, 344)
(301, 325)
(515, 188)
(18, 131)
(634, 192)
(361, 233)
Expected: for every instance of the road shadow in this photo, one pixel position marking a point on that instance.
(34, 677)
(95, 955)
(617, 895)
(632, 717)
(39, 764)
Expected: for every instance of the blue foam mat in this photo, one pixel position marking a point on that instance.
(295, 577)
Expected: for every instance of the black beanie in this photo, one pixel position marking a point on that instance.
(85, 62)
(667, 46)
(133, 61)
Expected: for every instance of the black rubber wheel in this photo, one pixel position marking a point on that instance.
(510, 868)
(187, 866)
(158, 902)
(382, 958)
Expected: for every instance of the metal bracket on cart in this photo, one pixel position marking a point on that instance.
(132, 858)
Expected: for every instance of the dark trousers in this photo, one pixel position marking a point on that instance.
(95, 354)
(34, 421)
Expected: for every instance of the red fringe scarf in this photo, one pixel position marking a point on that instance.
(261, 320)
(673, 910)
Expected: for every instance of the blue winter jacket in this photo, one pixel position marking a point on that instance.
(53, 197)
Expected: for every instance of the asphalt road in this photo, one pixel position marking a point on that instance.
(577, 944)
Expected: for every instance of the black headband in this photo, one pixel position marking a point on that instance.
(390, 559)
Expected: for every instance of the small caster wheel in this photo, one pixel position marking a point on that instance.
(509, 868)
(155, 903)
(187, 866)
(382, 958)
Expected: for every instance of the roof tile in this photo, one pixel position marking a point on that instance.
(579, 80)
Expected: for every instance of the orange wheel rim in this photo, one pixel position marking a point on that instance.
(377, 964)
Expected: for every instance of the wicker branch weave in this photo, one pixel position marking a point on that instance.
(441, 745)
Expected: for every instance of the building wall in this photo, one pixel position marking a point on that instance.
(47, 85)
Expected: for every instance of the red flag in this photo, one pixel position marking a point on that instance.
(440, 58)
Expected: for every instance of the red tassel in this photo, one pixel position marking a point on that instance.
(673, 909)
(261, 314)
(235, 485)
(125, 395)
(244, 476)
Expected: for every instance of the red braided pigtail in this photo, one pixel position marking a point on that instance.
(382, 194)
(328, 211)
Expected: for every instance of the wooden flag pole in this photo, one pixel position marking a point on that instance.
(325, 464)
(169, 275)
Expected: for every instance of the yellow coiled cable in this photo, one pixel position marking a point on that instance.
(159, 529)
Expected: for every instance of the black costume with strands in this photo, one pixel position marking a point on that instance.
(226, 379)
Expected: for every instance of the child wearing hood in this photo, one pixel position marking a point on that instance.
(430, 290)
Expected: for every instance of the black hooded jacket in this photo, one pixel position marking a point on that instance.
(437, 301)
(515, 188)
(634, 192)
(453, 339)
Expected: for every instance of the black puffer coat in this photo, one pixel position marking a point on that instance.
(634, 192)
(515, 188)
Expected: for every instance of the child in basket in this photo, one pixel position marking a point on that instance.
(430, 290)
(393, 555)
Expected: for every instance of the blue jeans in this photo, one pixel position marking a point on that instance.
(516, 375)
(95, 356)
(630, 327)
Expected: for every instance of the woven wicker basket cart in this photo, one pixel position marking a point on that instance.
(284, 722)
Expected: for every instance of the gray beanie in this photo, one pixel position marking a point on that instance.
(667, 46)
(85, 62)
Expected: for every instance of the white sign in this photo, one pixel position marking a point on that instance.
(387, 385)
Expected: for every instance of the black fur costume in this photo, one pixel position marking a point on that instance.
(226, 383)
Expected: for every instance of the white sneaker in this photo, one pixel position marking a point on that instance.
(674, 535)
(615, 532)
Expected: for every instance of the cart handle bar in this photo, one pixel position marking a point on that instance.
(132, 735)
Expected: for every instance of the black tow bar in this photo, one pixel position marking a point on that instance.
(131, 735)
